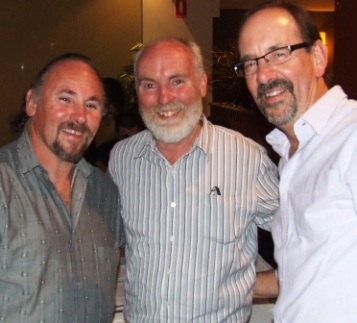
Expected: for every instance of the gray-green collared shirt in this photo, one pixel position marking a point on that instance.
(56, 265)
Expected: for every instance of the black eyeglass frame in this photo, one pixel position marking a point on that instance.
(239, 67)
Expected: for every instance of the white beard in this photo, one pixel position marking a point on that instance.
(170, 133)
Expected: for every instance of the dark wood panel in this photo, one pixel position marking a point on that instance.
(345, 63)
(251, 124)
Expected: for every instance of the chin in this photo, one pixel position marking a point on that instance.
(169, 135)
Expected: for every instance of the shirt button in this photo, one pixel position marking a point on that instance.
(173, 204)
(172, 238)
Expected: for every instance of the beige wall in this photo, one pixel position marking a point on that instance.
(311, 5)
(159, 20)
(32, 32)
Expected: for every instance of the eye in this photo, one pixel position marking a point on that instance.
(250, 65)
(65, 99)
(92, 105)
(279, 54)
(147, 85)
(178, 81)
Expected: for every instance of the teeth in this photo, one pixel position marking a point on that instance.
(73, 132)
(167, 113)
(270, 94)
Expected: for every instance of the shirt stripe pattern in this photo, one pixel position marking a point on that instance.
(191, 227)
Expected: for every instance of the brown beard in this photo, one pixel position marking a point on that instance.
(290, 109)
(72, 156)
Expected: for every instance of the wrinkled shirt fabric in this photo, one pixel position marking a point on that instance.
(56, 265)
(315, 231)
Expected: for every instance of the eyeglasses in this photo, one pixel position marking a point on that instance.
(274, 57)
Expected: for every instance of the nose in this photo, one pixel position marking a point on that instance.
(165, 95)
(78, 113)
(265, 72)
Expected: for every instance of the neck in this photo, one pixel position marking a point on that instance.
(59, 171)
(293, 140)
(321, 89)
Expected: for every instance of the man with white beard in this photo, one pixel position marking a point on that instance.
(192, 194)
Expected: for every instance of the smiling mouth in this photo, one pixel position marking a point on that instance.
(168, 114)
(270, 94)
(73, 132)
(274, 90)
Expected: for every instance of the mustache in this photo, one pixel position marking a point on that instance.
(74, 126)
(169, 107)
(262, 88)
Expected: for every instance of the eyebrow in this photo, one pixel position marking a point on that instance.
(175, 76)
(94, 98)
(67, 91)
(171, 77)
(73, 93)
(146, 79)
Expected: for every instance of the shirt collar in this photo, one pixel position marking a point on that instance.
(28, 159)
(205, 138)
(320, 112)
(312, 122)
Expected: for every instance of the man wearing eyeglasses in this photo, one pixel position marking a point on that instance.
(315, 232)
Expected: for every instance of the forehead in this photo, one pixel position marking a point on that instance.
(74, 74)
(165, 57)
(269, 27)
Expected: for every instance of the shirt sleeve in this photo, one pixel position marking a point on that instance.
(351, 178)
(267, 187)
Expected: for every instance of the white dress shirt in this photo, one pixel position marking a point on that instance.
(315, 232)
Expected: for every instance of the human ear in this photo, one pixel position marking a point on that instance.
(31, 103)
(203, 85)
(320, 55)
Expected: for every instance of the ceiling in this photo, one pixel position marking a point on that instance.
(311, 5)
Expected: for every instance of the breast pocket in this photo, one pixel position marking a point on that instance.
(223, 219)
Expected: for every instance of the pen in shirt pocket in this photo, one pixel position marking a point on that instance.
(215, 190)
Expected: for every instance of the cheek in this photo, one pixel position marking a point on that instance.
(252, 86)
(147, 100)
(47, 118)
(94, 121)
(187, 96)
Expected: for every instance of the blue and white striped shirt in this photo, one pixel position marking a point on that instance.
(191, 227)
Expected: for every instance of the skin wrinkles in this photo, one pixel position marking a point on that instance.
(282, 92)
(67, 112)
(170, 94)
(290, 112)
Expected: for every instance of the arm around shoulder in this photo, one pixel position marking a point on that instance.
(266, 285)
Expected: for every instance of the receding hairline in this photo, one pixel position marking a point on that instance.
(186, 44)
(303, 20)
